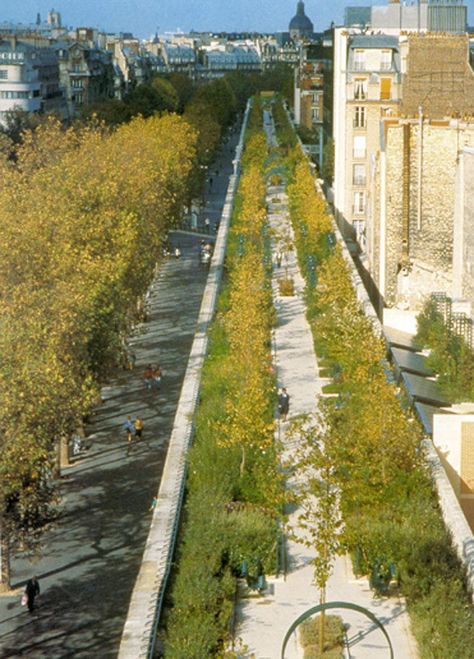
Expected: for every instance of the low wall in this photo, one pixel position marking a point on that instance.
(453, 515)
(140, 629)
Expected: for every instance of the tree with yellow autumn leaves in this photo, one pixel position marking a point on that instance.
(84, 214)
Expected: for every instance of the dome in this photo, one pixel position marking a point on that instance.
(301, 23)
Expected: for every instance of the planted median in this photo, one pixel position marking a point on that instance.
(392, 521)
(233, 489)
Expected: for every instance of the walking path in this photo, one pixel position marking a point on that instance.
(91, 558)
(264, 621)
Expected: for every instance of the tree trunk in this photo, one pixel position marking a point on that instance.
(242, 463)
(64, 452)
(62, 455)
(322, 622)
(4, 559)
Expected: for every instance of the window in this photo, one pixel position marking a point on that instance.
(385, 89)
(3, 74)
(359, 202)
(359, 146)
(359, 117)
(77, 84)
(360, 89)
(315, 114)
(358, 174)
(359, 60)
(386, 60)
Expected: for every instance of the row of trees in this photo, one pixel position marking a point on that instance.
(234, 490)
(84, 214)
(85, 210)
(366, 443)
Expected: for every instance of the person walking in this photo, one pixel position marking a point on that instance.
(31, 591)
(207, 225)
(278, 257)
(129, 429)
(138, 427)
(283, 404)
(148, 377)
(157, 375)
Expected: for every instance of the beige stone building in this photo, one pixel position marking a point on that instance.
(367, 88)
(411, 241)
(401, 133)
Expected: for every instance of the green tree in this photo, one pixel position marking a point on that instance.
(319, 520)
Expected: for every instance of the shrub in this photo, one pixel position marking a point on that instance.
(286, 286)
(333, 637)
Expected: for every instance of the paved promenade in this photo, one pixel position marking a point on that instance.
(264, 621)
(92, 556)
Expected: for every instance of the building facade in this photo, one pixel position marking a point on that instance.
(29, 78)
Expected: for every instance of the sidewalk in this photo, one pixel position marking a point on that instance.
(264, 621)
(92, 556)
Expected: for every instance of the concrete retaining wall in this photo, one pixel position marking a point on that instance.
(139, 633)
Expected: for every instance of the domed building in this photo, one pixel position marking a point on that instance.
(301, 26)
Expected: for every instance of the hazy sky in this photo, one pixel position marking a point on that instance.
(143, 17)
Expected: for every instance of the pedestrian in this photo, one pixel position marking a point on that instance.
(138, 427)
(177, 252)
(31, 591)
(157, 375)
(131, 359)
(207, 225)
(148, 377)
(278, 257)
(210, 182)
(153, 504)
(129, 429)
(283, 404)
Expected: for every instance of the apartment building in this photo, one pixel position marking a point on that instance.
(419, 220)
(383, 76)
(87, 74)
(312, 108)
(367, 88)
(29, 78)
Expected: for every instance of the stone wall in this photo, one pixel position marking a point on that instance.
(438, 76)
(468, 227)
(430, 234)
(394, 203)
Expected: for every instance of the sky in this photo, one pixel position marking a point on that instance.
(145, 17)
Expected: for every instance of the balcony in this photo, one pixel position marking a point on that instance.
(359, 153)
(359, 181)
